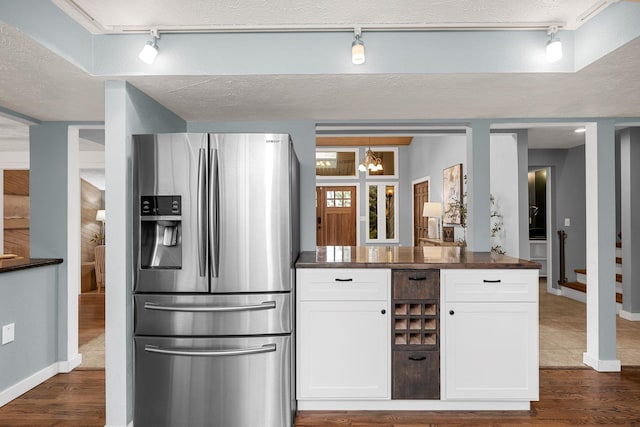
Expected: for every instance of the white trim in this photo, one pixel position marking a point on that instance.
(18, 389)
(413, 196)
(414, 405)
(355, 200)
(15, 160)
(550, 235)
(73, 237)
(73, 240)
(601, 365)
(69, 365)
(355, 150)
(627, 315)
(574, 295)
(2, 210)
(380, 207)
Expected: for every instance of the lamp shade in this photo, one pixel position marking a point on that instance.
(432, 209)
(100, 215)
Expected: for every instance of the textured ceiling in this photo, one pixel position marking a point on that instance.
(38, 83)
(123, 15)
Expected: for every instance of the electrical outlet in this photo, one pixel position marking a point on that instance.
(8, 333)
(567, 222)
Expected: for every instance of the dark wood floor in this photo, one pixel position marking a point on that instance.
(567, 397)
(90, 316)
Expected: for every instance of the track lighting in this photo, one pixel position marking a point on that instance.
(554, 45)
(150, 50)
(357, 48)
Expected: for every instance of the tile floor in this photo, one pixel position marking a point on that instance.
(563, 338)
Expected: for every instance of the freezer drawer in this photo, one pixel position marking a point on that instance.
(207, 315)
(191, 382)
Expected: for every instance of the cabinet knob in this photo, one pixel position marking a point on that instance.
(451, 312)
(383, 311)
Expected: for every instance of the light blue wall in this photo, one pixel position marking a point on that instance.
(48, 209)
(28, 298)
(429, 156)
(303, 134)
(127, 111)
(568, 195)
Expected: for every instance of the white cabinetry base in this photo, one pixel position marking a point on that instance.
(412, 405)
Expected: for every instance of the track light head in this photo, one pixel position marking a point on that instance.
(554, 45)
(150, 50)
(357, 48)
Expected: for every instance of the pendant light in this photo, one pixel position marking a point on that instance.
(357, 48)
(371, 162)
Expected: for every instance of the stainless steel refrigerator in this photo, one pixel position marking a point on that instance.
(215, 232)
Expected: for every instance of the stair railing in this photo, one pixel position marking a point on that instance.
(563, 278)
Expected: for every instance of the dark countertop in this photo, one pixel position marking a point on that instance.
(406, 257)
(14, 264)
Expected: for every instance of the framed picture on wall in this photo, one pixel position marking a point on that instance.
(452, 194)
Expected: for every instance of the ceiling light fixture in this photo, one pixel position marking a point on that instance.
(357, 48)
(371, 162)
(150, 50)
(554, 45)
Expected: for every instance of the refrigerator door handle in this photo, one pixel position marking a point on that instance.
(201, 211)
(267, 348)
(267, 305)
(214, 213)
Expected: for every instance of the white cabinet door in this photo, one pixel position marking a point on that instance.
(491, 351)
(343, 350)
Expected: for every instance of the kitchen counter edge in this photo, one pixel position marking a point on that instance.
(8, 265)
(407, 258)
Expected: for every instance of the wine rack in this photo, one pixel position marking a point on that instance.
(415, 305)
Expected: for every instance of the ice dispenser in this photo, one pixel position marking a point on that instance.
(161, 232)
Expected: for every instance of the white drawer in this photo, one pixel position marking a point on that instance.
(471, 285)
(335, 284)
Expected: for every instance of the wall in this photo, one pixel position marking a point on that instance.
(568, 195)
(28, 299)
(48, 192)
(428, 156)
(303, 134)
(127, 111)
(504, 188)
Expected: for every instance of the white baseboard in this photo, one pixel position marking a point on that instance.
(27, 384)
(635, 317)
(601, 365)
(554, 291)
(574, 295)
(67, 366)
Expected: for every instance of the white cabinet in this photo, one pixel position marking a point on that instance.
(538, 253)
(343, 334)
(490, 334)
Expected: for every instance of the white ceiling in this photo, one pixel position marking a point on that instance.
(126, 15)
(38, 83)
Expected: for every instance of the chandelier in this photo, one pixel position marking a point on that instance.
(370, 162)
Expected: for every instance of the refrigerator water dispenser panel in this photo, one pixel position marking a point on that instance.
(160, 232)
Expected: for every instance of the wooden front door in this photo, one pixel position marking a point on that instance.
(336, 216)
(420, 223)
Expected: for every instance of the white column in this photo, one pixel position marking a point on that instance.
(600, 205)
(477, 171)
(630, 227)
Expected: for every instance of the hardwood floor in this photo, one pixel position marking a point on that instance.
(90, 316)
(567, 397)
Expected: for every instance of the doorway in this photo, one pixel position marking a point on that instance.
(336, 220)
(420, 223)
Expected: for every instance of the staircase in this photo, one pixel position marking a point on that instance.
(577, 290)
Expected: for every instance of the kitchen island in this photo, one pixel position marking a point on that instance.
(415, 328)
